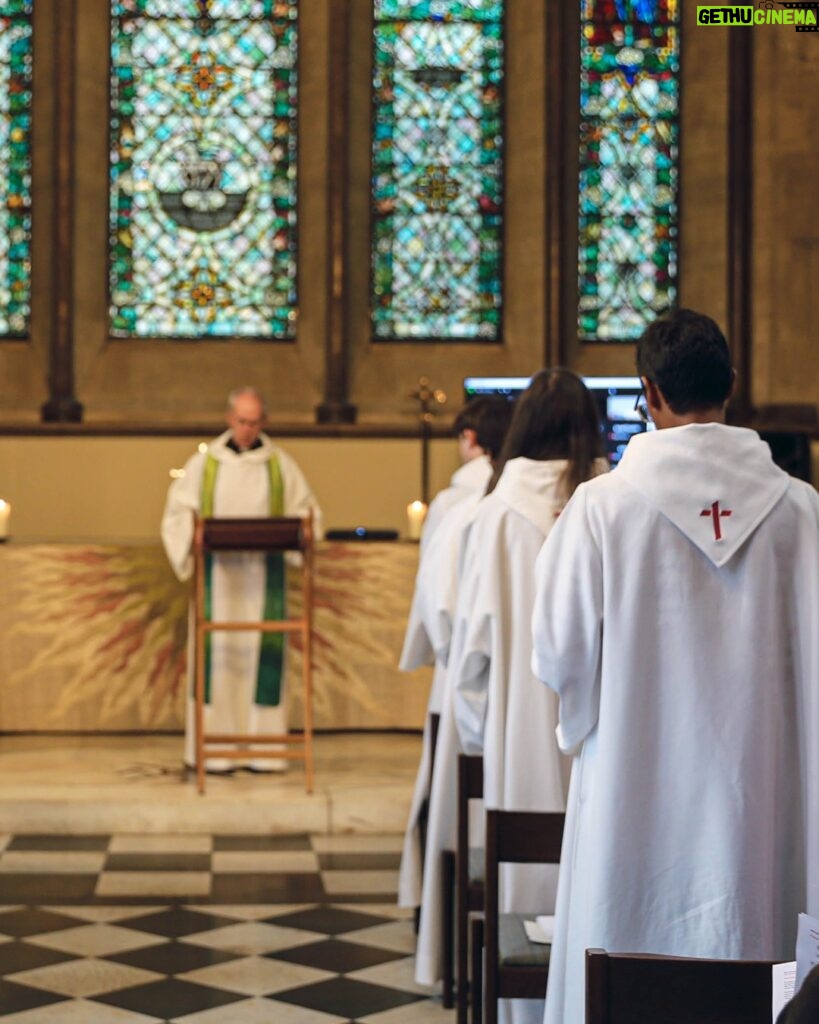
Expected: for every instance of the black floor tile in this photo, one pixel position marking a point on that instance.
(21, 956)
(282, 843)
(359, 861)
(157, 862)
(266, 888)
(173, 957)
(343, 996)
(329, 920)
(43, 888)
(60, 843)
(178, 921)
(16, 998)
(33, 921)
(336, 956)
(168, 998)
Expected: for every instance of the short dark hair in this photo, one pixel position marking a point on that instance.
(489, 416)
(686, 355)
(555, 418)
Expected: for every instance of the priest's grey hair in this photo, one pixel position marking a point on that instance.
(246, 389)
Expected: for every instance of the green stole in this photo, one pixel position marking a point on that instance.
(271, 648)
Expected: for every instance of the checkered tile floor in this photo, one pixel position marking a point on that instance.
(206, 930)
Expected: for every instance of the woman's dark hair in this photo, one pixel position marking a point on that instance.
(686, 355)
(554, 418)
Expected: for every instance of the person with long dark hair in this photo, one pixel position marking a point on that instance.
(500, 708)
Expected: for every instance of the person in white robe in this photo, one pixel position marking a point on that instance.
(241, 473)
(677, 619)
(480, 428)
(501, 709)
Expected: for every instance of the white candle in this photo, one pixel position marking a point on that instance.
(416, 514)
(5, 515)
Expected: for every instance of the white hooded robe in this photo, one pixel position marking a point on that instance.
(677, 619)
(467, 484)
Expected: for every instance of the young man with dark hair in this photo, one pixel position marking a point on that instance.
(677, 618)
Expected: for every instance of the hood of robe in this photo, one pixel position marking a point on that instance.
(715, 483)
(219, 450)
(473, 475)
(533, 489)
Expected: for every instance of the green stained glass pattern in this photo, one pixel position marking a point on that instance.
(629, 133)
(437, 186)
(15, 168)
(203, 169)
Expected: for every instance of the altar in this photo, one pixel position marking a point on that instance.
(93, 638)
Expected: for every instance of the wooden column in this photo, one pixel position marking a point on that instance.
(740, 216)
(556, 347)
(62, 405)
(336, 408)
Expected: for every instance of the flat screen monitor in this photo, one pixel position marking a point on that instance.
(615, 398)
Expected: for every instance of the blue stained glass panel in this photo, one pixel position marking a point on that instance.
(15, 168)
(437, 160)
(629, 150)
(203, 168)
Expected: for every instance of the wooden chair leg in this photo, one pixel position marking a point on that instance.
(462, 955)
(447, 925)
(476, 941)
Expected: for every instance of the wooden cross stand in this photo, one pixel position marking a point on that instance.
(263, 535)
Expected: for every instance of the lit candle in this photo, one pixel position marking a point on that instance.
(5, 515)
(416, 514)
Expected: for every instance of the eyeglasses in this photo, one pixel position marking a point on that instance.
(641, 406)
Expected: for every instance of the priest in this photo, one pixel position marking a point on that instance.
(677, 619)
(241, 473)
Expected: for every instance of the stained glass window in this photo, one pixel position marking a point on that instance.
(629, 125)
(437, 188)
(15, 168)
(203, 168)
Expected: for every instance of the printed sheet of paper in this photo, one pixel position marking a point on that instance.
(807, 947)
(784, 978)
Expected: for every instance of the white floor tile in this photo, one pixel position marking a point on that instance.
(264, 861)
(260, 1011)
(396, 935)
(357, 843)
(252, 938)
(95, 940)
(153, 884)
(78, 1011)
(84, 978)
(160, 844)
(256, 976)
(338, 883)
(51, 862)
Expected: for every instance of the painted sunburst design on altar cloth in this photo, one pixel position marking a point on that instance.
(96, 638)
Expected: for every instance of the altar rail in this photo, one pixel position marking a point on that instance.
(93, 638)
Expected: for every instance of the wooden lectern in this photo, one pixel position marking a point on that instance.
(266, 536)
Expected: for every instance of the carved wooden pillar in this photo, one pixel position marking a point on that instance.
(62, 405)
(740, 216)
(336, 408)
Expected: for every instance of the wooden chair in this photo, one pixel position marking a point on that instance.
(469, 876)
(639, 988)
(514, 967)
(264, 535)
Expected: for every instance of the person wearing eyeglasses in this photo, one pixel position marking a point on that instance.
(240, 473)
(677, 619)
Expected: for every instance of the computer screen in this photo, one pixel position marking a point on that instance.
(614, 396)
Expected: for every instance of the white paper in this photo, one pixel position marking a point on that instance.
(541, 930)
(807, 947)
(784, 978)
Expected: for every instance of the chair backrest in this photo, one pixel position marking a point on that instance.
(470, 787)
(635, 988)
(515, 837)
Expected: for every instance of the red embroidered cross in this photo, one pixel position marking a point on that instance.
(715, 512)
